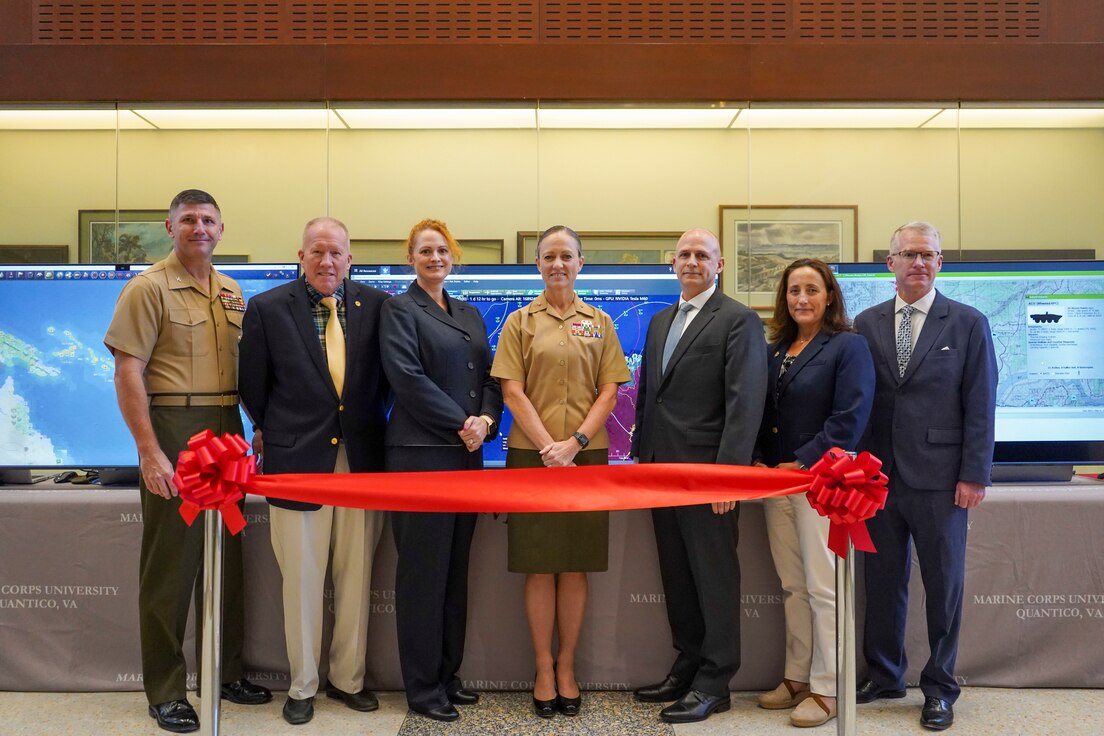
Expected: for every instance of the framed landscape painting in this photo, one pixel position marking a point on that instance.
(767, 238)
(137, 236)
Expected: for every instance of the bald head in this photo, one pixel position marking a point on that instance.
(697, 261)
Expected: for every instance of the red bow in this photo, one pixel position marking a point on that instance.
(848, 490)
(211, 474)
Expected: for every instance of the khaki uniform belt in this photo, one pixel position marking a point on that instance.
(226, 399)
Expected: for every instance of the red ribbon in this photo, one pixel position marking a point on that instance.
(848, 490)
(590, 488)
(212, 474)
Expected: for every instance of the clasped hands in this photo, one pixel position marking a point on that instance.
(560, 454)
(473, 433)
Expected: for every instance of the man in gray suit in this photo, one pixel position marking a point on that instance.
(311, 380)
(932, 427)
(700, 395)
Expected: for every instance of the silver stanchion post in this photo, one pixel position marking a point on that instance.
(211, 667)
(845, 643)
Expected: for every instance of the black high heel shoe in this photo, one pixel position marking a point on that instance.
(570, 706)
(544, 708)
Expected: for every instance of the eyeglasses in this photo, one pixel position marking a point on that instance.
(927, 256)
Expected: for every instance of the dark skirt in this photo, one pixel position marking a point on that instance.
(576, 541)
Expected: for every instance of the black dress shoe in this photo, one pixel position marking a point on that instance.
(695, 706)
(460, 696)
(446, 712)
(298, 711)
(868, 691)
(177, 716)
(546, 708)
(363, 701)
(244, 692)
(569, 706)
(937, 714)
(663, 692)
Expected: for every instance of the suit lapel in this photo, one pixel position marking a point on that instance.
(425, 301)
(662, 322)
(354, 324)
(815, 346)
(886, 336)
(300, 306)
(933, 327)
(691, 332)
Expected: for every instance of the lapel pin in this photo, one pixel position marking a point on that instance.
(357, 302)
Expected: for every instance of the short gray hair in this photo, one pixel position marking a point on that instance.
(919, 226)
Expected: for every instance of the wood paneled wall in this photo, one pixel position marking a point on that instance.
(778, 50)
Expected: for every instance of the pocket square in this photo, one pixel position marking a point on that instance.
(945, 347)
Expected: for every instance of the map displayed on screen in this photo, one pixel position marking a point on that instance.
(1047, 321)
(630, 294)
(57, 390)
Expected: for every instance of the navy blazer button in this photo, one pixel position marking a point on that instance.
(467, 339)
(471, 365)
(341, 407)
(471, 394)
(333, 440)
(774, 429)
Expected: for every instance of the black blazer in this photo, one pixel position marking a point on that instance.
(439, 366)
(286, 387)
(934, 425)
(706, 407)
(822, 402)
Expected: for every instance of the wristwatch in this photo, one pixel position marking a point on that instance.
(491, 425)
(582, 439)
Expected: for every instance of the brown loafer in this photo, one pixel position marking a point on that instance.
(813, 711)
(786, 695)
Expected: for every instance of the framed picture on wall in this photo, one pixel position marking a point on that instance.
(141, 236)
(767, 238)
(34, 253)
(610, 247)
(393, 250)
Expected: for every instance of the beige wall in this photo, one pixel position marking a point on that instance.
(984, 189)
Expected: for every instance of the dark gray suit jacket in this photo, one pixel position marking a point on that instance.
(707, 406)
(440, 368)
(286, 387)
(934, 425)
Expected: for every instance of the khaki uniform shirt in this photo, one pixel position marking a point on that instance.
(188, 339)
(561, 361)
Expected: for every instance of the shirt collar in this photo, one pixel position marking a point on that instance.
(923, 304)
(317, 296)
(180, 278)
(700, 300)
(578, 306)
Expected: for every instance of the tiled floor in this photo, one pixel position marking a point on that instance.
(980, 712)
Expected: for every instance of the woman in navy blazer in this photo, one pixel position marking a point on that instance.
(820, 391)
(438, 362)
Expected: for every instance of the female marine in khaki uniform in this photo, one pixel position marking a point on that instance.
(559, 362)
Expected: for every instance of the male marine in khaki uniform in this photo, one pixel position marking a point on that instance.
(175, 337)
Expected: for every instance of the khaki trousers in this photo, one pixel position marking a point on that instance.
(799, 545)
(303, 542)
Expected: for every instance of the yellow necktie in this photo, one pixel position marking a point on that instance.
(335, 345)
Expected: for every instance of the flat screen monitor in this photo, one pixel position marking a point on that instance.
(1047, 320)
(630, 294)
(57, 390)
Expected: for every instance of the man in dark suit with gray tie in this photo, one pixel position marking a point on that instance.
(310, 378)
(932, 427)
(700, 394)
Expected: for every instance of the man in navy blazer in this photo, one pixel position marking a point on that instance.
(932, 427)
(310, 418)
(700, 394)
